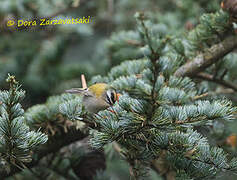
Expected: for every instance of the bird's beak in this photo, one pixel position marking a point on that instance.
(117, 96)
(73, 90)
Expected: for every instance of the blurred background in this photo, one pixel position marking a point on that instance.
(48, 60)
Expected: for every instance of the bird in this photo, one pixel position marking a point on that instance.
(97, 97)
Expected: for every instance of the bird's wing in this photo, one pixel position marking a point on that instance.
(83, 91)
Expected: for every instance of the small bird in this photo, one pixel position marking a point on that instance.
(97, 97)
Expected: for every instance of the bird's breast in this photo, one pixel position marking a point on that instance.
(94, 105)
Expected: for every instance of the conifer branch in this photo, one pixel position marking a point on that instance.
(53, 146)
(207, 58)
(154, 57)
(16, 137)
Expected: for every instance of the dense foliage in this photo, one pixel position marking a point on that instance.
(174, 62)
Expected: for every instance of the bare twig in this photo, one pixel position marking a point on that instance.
(209, 57)
(200, 96)
(116, 147)
(209, 77)
(223, 74)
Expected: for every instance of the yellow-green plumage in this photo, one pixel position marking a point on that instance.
(98, 89)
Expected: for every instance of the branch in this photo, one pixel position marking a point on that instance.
(211, 78)
(209, 57)
(54, 145)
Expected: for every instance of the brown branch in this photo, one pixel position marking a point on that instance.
(200, 96)
(211, 78)
(209, 57)
(117, 147)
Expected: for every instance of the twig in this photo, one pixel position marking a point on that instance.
(211, 163)
(116, 147)
(223, 74)
(209, 57)
(200, 96)
(154, 58)
(209, 77)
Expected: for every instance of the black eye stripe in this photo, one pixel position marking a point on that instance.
(108, 98)
(113, 97)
